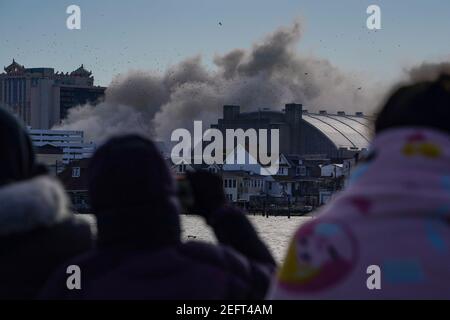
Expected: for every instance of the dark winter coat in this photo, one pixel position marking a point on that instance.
(37, 231)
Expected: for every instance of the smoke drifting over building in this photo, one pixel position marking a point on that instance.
(428, 71)
(269, 74)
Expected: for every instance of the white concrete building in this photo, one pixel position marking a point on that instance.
(71, 142)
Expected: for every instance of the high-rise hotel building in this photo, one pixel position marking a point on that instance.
(41, 97)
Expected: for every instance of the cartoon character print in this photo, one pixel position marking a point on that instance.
(418, 145)
(320, 255)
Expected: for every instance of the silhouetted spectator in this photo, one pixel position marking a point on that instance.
(140, 254)
(37, 231)
(388, 234)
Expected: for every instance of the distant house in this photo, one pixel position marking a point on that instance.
(304, 181)
(283, 186)
(284, 166)
(75, 180)
(332, 170)
(301, 180)
(241, 186)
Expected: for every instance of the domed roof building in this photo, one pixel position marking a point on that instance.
(336, 136)
(81, 72)
(14, 68)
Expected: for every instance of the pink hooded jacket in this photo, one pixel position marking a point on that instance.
(387, 236)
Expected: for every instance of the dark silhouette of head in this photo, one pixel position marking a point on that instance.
(17, 159)
(132, 194)
(423, 104)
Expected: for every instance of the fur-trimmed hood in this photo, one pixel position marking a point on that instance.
(26, 205)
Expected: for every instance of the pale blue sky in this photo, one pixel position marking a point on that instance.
(119, 35)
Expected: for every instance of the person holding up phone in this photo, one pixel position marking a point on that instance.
(140, 254)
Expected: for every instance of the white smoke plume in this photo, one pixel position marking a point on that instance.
(270, 74)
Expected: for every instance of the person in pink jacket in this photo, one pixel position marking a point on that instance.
(387, 235)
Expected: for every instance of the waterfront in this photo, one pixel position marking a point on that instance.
(275, 231)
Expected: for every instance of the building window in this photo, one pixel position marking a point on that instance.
(76, 171)
(229, 183)
(301, 171)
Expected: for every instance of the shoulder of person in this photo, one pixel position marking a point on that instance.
(218, 256)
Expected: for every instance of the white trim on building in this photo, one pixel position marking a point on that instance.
(71, 142)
